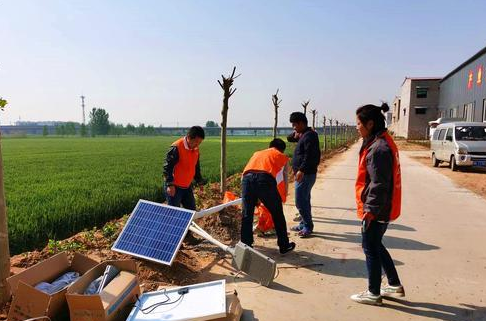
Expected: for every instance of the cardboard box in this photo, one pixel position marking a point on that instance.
(28, 302)
(233, 308)
(113, 303)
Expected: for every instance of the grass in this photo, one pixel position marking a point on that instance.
(56, 187)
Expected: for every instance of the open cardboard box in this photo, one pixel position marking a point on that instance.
(113, 303)
(233, 308)
(28, 302)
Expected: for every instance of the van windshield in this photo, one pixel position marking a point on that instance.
(471, 133)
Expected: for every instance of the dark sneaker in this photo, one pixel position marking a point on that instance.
(367, 297)
(289, 248)
(303, 233)
(394, 291)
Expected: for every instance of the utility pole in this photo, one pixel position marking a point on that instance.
(82, 105)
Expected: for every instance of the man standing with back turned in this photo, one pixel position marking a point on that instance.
(306, 158)
(260, 183)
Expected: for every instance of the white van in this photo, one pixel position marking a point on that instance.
(459, 144)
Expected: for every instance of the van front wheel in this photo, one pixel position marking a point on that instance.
(435, 161)
(453, 164)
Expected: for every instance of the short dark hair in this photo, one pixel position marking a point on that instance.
(297, 116)
(278, 144)
(375, 113)
(196, 131)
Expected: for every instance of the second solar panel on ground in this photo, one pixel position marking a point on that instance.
(154, 232)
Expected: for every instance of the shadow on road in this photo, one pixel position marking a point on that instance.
(248, 315)
(356, 222)
(337, 266)
(438, 311)
(391, 242)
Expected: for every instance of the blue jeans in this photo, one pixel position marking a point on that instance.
(377, 257)
(184, 196)
(303, 200)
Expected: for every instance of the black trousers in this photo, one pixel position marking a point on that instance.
(377, 257)
(263, 187)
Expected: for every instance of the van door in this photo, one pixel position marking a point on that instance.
(448, 145)
(440, 144)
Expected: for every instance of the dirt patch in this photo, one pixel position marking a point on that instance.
(473, 178)
(189, 265)
(408, 146)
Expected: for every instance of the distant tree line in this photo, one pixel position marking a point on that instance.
(100, 125)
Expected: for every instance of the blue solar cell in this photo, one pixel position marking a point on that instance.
(154, 232)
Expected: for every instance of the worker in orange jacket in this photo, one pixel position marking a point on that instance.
(259, 182)
(182, 167)
(378, 200)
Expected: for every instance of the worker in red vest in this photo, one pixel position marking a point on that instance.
(260, 183)
(378, 199)
(182, 167)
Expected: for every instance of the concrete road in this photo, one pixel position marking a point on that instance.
(438, 244)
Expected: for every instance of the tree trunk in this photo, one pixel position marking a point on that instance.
(336, 143)
(4, 249)
(331, 135)
(226, 84)
(275, 123)
(314, 112)
(224, 117)
(324, 147)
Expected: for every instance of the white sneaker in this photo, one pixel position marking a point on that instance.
(393, 291)
(366, 297)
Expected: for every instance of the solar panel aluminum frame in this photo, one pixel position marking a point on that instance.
(140, 201)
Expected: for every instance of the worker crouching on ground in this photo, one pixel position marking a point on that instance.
(181, 168)
(260, 183)
(378, 199)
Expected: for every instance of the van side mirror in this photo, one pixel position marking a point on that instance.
(449, 138)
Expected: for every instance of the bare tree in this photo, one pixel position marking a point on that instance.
(314, 115)
(331, 135)
(324, 147)
(226, 84)
(4, 249)
(304, 105)
(337, 133)
(276, 104)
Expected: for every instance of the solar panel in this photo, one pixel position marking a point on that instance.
(154, 232)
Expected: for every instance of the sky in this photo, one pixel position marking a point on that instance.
(158, 62)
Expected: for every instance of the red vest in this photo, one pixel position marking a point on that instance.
(360, 185)
(272, 161)
(185, 169)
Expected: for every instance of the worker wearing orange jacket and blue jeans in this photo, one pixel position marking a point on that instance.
(182, 167)
(378, 199)
(259, 183)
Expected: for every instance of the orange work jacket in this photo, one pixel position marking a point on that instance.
(361, 180)
(271, 161)
(185, 169)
